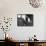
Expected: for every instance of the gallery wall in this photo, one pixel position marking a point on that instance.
(10, 8)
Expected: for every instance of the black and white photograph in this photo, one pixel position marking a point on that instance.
(24, 19)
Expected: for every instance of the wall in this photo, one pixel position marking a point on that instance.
(10, 8)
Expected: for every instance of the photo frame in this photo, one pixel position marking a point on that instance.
(24, 19)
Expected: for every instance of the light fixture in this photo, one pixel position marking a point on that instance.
(36, 3)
